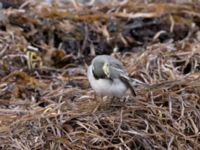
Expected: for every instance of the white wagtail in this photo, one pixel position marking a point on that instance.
(108, 77)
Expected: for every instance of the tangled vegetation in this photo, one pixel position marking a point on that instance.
(46, 101)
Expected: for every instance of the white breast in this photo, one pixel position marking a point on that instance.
(106, 87)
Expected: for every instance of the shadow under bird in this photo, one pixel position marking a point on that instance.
(108, 77)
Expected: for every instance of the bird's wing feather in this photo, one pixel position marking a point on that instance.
(127, 82)
(117, 71)
(116, 68)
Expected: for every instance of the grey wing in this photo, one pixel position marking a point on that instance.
(127, 82)
(116, 68)
(118, 71)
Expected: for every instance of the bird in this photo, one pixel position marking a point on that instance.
(108, 77)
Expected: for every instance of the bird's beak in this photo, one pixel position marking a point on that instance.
(106, 69)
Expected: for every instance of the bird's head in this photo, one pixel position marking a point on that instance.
(100, 69)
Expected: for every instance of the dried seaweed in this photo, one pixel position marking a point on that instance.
(45, 98)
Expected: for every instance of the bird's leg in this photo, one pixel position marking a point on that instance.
(98, 102)
(116, 101)
(113, 99)
(95, 96)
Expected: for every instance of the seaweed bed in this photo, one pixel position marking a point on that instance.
(45, 98)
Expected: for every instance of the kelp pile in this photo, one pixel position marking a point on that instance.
(45, 98)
